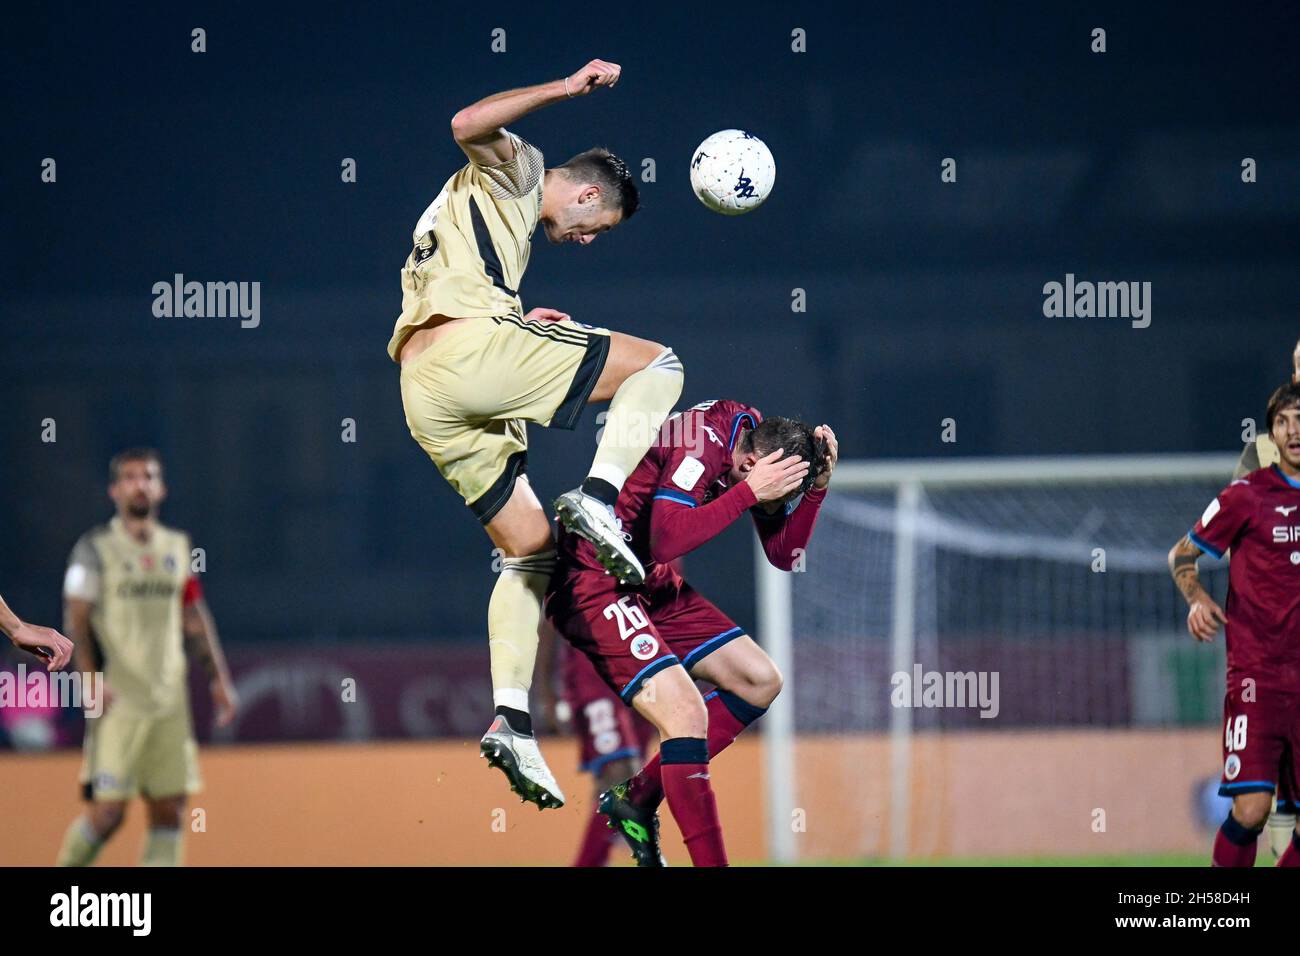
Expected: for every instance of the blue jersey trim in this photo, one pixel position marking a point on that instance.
(735, 427)
(1283, 475)
(711, 645)
(1240, 786)
(1204, 545)
(669, 495)
(632, 687)
(595, 766)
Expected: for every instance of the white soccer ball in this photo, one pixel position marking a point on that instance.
(732, 172)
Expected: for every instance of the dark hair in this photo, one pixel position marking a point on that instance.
(598, 165)
(1284, 398)
(131, 454)
(793, 436)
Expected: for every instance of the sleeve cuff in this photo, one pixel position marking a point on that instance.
(1204, 545)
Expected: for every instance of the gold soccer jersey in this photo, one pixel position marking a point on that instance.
(472, 244)
(469, 396)
(144, 741)
(137, 591)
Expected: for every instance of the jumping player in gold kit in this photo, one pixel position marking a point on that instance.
(475, 369)
(131, 599)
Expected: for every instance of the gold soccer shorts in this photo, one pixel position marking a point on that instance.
(468, 396)
(127, 754)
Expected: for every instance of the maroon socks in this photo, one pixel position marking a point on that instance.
(1234, 845)
(728, 716)
(596, 842)
(684, 768)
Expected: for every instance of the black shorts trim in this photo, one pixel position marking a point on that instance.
(584, 381)
(553, 332)
(486, 505)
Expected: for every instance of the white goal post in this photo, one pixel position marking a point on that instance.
(1041, 519)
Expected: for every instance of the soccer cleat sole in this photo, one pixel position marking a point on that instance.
(644, 853)
(527, 791)
(612, 559)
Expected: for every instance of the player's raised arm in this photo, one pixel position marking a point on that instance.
(45, 642)
(479, 129)
(786, 534)
(676, 530)
(203, 644)
(1204, 616)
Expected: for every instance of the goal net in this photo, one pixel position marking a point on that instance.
(967, 634)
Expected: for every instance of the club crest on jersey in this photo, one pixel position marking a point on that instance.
(688, 473)
(1232, 767)
(644, 647)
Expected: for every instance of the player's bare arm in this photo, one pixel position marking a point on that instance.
(479, 129)
(1204, 616)
(204, 646)
(76, 624)
(45, 642)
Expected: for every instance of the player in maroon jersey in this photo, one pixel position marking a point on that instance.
(613, 739)
(711, 464)
(1258, 518)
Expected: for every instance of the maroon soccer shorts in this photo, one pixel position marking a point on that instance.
(606, 730)
(632, 633)
(1261, 740)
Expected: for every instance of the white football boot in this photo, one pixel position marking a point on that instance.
(520, 759)
(594, 520)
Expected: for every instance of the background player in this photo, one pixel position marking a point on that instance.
(1258, 517)
(613, 739)
(712, 463)
(475, 370)
(1261, 453)
(45, 642)
(129, 596)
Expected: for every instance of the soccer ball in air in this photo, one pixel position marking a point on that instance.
(732, 172)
